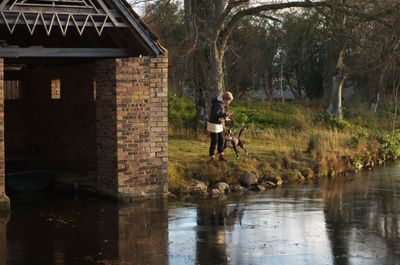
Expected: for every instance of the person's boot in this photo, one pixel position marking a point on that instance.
(212, 159)
(222, 158)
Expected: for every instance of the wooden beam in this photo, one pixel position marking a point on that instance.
(110, 15)
(30, 18)
(3, 4)
(37, 52)
(145, 37)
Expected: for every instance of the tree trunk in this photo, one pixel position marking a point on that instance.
(216, 76)
(216, 81)
(335, 104)
(199, 84)
(267, 84)
(335, 70)
(194, 13)
(335, 86)
(374, 105)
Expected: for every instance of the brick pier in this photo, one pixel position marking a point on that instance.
(4, 201)
(132, 127)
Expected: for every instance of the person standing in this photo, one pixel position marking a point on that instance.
(215, 124)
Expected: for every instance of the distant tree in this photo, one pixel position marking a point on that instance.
(376, 55)
(303, 45)
(335, 71)
(249, 57)
(165, 18)
(313, 47)
(350, 24)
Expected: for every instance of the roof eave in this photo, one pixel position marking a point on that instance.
(141, 28)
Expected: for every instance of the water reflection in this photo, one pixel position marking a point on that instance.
(143, 233)
(215, 221)
(85, 231)
(335, 219)
(362, 217)
(339, 222)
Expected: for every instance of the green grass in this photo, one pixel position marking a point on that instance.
(191, 150)
(285, 141)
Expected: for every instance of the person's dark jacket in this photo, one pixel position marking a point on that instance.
(218, 111)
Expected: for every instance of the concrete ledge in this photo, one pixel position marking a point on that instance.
(4, 202)
(142, 193)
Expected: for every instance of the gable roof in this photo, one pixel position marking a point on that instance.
(110, 25)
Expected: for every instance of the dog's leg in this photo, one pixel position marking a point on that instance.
(241, 146)
(235, 149)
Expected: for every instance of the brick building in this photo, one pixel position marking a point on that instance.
(83, 92)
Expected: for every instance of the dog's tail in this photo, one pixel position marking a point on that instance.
(240, 133)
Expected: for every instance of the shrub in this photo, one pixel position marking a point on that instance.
(182, 114)
(307, 172)
(314, 143)
(294, 176)
(389, 145)
(354, 142)
(333, 122)
(176, 182)
(265, 116)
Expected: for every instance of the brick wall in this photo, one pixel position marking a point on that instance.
(159, 118)
(107, 182)
(2, 173)
(134, 106)
(4, 201)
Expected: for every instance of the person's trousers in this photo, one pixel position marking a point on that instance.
(216, 138)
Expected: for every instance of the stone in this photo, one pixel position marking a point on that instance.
(257, 188)
(248, 179)
(279, 182)
(198, 188)
(215, 192)
(222, 187)
(238, 188)
(268, 184)
(200, 184)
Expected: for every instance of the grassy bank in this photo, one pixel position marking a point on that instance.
(287, 142)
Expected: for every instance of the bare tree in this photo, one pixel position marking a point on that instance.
(335, 71)
(353, 49)
(212, 23)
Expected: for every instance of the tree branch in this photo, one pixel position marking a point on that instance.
(231, 5)
(225, 33)
(194, 45)
(269, 17)
(374, 17)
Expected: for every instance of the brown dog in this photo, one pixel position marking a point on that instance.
(232, 141)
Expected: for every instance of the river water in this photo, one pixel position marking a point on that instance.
(348, 220)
